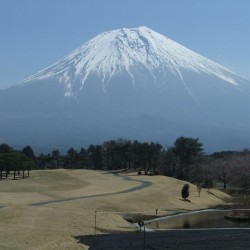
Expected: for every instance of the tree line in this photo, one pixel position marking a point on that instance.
(184, 160)
(15, 162)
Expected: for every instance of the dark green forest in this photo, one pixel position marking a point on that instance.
(185, 160)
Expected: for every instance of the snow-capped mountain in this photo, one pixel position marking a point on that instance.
(130, 50)
(130, 83)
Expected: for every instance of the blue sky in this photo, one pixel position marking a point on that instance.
(36, 33)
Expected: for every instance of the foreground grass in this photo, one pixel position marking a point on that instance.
(24, 225)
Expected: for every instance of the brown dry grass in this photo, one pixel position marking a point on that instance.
(52, 225)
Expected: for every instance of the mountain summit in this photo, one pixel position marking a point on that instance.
(130, 51)
(130, 83)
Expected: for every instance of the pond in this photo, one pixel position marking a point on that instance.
(196, 220)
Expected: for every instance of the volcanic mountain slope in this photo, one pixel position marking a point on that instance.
(129, 83)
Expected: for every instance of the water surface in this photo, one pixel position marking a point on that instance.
(196, 220)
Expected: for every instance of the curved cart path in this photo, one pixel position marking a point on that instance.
(143, 184)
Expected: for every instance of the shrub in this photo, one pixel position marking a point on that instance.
(185, 191)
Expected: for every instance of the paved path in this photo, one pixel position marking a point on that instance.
(142, 185)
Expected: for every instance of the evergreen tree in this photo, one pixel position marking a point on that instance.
(28, 151)
(188, 152)
(185, 191)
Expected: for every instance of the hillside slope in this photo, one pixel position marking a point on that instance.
(47, 209)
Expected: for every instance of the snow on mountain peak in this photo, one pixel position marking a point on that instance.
(115, 51)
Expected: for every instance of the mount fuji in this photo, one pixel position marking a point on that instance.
(132, 84)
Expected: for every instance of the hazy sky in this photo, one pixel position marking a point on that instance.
(36, 33)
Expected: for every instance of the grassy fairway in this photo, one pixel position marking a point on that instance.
(47, 209)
